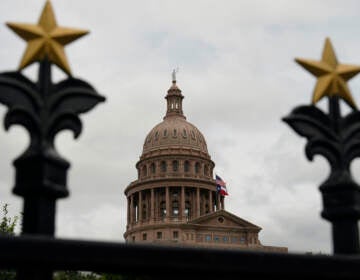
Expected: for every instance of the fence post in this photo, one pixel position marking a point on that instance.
(337, 139)
(44, 109)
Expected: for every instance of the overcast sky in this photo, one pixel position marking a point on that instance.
(239, 78)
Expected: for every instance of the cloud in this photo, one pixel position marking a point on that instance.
(239, 79)
(103, 221)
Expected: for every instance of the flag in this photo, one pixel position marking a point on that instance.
(221, 186)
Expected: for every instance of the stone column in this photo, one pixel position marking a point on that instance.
(140, 207)
(182, 203)
(218, 206)
(202, 203)
(167, 199)
(157, 204)
(152, 205)
(131, 209)
(128, 211)
(222, 202)
(197, 202)
(211, 209)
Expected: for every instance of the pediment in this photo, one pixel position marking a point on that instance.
(223, 218)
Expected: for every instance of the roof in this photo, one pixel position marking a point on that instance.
(225, 219)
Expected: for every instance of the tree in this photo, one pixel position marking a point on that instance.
(7, 227)
(75, 275)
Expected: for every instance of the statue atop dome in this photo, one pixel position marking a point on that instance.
(173, 74)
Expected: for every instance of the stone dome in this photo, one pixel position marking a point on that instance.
(175, 132)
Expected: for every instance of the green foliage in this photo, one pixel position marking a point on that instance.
(7, 275)
(112, 277)
(75, 275)
(7, 225)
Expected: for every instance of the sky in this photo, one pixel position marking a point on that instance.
(238, 75)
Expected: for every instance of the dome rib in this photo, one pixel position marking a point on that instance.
(175, 132)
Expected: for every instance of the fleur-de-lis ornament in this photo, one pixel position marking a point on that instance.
(44, 109)
(337, 138)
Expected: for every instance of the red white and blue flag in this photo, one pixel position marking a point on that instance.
(221, 186)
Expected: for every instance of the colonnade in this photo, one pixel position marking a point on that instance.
(171, 204)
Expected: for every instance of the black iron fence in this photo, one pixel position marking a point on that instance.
(45, 108)
(41, 180)
(33, 255)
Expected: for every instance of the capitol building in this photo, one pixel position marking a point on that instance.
(174, 200)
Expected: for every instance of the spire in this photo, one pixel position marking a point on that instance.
(173, 75)
(174, 99)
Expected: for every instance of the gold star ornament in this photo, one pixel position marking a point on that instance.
(46, 40)
(331, 76)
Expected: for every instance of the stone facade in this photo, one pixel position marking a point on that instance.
(174, 200)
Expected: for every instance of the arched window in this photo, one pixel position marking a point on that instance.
(186, 166)
(175, 165)
(175, 194)
(162, 209)
(153, 168)
(184, 133)
(144, 170)
(197, 167)
(207, 208)
(136, 211)
(163, 166)
(175, 208)
(144, 211)
(206, 170)
(187, 210)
